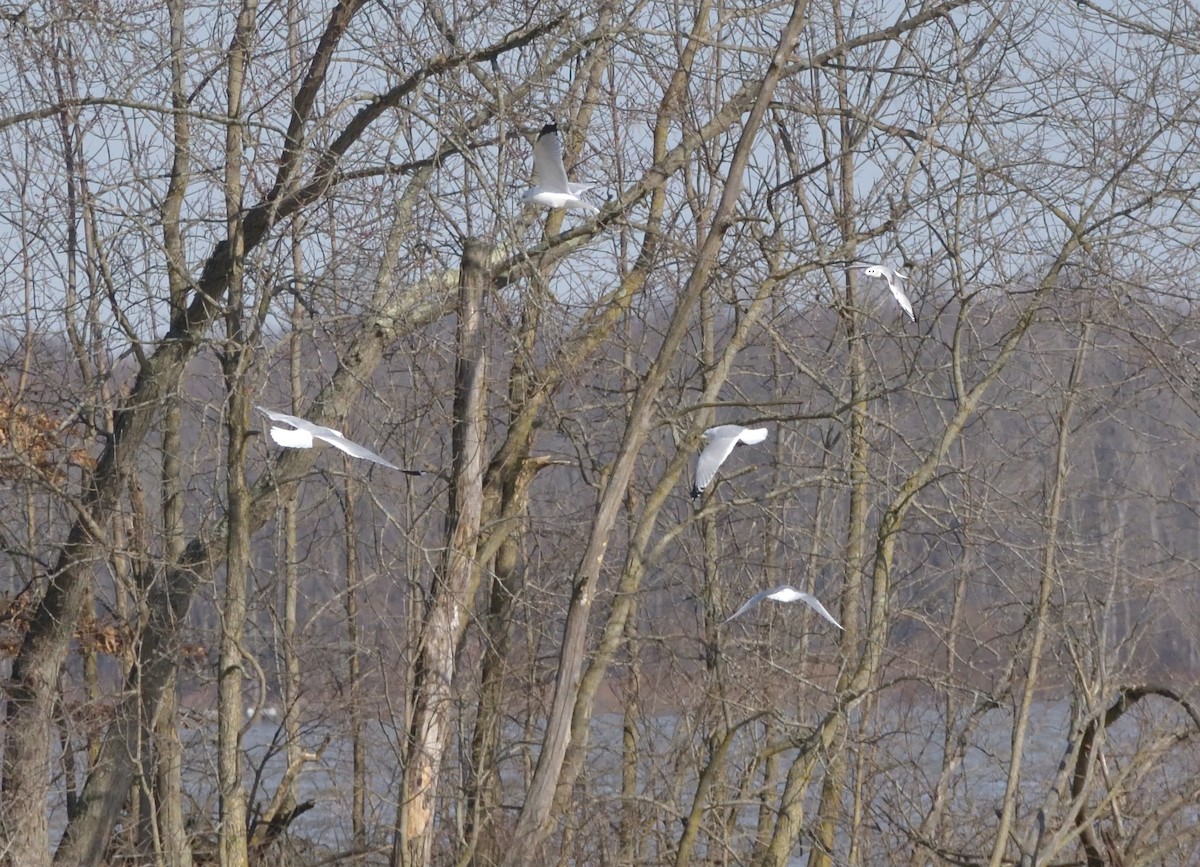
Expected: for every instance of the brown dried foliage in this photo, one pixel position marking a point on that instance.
(34, 442)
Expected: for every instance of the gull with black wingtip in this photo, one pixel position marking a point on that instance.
(553, 190)
(303, 433)
(721, 442)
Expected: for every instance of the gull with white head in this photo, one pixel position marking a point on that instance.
(785, 593)
(553, 190)
(893, 278)
(303, 432)
(721, 441)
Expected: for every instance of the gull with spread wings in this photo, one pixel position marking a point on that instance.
(303, 432)
(893, 278)
(785, 593)
(721, 440)
(553, 190)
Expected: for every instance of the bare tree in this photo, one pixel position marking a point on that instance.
(520, 656)
(443, 620)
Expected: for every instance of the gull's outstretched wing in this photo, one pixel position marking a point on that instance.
(354, 449)
(901, 298)
(548, 161)
(295, 421)
(748, 604)
(813, 603)
(893, 278)
(713, 455)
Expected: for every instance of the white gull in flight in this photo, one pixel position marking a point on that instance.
(721, 440)
(785, 593)
(304, 432)
(893, 278)
(553, 190)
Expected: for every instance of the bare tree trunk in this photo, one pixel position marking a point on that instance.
(857, 452)
(449, 599)
(163, 748)
(34, 699)
(630, 833)
(483, 783)
(232, 817)
(1048, 579)
(713, 688)
(506, 507)
(358, 806)
(291, 678)
(162, 753)
(232, 828)
(174, 843)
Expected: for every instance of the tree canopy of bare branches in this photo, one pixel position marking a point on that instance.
(218, 648)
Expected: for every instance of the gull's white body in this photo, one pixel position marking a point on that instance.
(553, 190)
(785, 593)
(721, 440)
(893, 278)
(305, 432)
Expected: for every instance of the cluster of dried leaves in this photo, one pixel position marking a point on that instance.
(94, 634)
(35, 443)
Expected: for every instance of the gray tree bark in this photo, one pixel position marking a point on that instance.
(455, 584)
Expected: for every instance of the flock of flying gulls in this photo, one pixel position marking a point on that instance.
(722, 440)
(553, 190)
